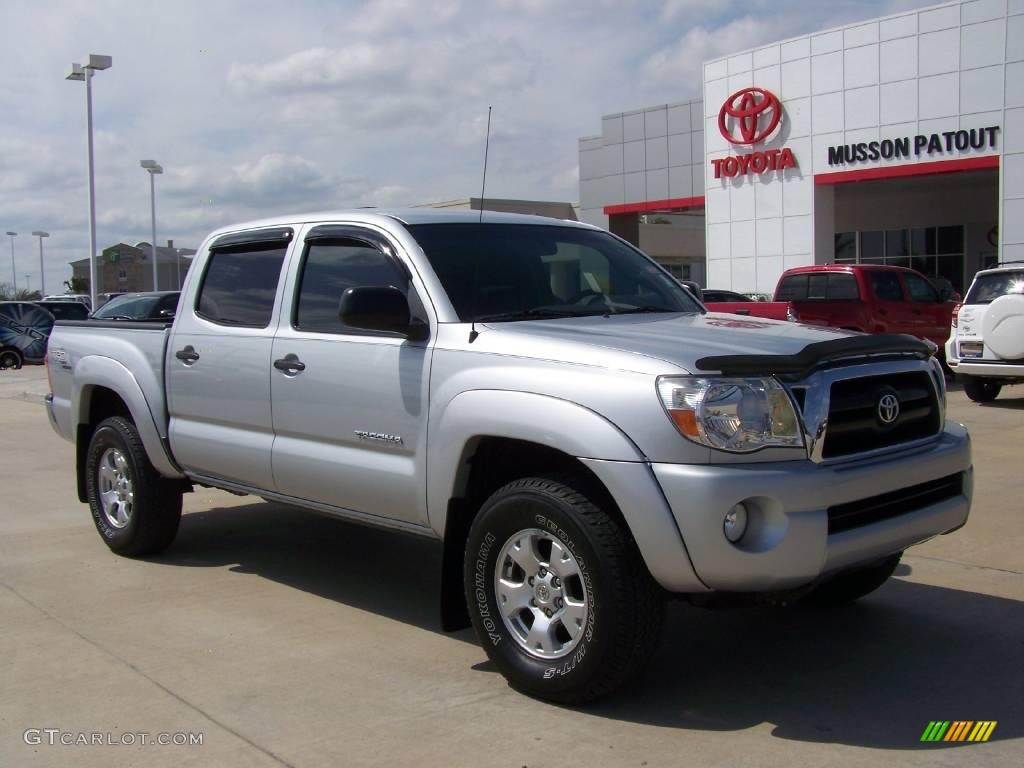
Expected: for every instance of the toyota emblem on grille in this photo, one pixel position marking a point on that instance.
(888, 408)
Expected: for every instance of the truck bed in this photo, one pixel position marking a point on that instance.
(137, 347)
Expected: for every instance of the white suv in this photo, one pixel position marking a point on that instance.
(986, 341)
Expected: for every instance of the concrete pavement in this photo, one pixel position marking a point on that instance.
(290, 639)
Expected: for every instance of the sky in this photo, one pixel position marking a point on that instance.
(265, 108)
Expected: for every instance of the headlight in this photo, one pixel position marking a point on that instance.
(738, 415)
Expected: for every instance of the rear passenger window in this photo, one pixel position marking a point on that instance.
(920, 289)
(328, 270)
(240, 284)
(886, 286)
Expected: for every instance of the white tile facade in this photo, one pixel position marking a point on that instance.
(955, 66)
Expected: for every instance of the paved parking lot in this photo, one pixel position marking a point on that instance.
(290, 639)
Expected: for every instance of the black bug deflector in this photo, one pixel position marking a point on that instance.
(819, 354)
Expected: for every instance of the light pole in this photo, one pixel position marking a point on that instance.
(177, 260)
(42, 274)
(14, 276)
(153, 168)
(84, 72)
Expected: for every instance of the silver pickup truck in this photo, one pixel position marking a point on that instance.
(582, 436)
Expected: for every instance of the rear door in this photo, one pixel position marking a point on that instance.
(931, 315)
(893, 313)
(350, 416)
(218, 360)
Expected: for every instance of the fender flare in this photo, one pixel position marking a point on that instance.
(95, 371)
(536, 418)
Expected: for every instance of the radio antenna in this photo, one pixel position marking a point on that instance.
(487, 146)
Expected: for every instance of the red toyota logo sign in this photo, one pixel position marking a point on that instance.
(755, 114)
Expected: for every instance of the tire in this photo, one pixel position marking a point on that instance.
(558, 531)
(852, 584)
(10, 359)
(981, 390)
(135, 509)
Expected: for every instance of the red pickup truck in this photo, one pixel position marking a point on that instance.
(869, 298)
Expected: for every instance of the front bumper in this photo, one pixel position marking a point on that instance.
(788, 543)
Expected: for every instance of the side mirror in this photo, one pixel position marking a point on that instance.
(376, 308)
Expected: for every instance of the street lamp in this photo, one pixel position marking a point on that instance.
(42, 274)
(14, 276)
(84, 72)
(153, 168)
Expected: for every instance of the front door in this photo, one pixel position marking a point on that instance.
(350, 413)
(218, 361)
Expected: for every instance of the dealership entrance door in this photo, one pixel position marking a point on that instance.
(941, 225)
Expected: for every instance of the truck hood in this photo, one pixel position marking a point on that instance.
(637, 341)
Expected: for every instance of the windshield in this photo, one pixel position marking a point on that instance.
(988, 288)
(522, 271)
(132, 307)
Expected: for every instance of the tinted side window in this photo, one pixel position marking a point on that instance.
(842, 287)
(886, 286)
(168, 305)
(920, 289)
(330, 269)
(240, 284)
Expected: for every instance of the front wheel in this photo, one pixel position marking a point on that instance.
(135, 509)
(10, 358)
(558, 593)
(981, 390)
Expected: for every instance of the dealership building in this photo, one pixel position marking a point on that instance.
(898, 140)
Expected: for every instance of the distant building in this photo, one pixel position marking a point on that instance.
(128, 268)
(551, 209)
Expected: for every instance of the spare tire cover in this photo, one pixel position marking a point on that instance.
(1003, 326)
(25, 327)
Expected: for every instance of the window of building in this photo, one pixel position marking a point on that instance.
(240, 285)
(936, 252)
(330, 269)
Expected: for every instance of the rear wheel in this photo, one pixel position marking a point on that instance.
(558, 593)
(135, 509)
(847, 586)
(10, 358)
(981, 390)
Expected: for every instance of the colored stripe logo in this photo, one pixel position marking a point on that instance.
(958, 730)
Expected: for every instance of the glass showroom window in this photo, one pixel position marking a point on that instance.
(937, 252)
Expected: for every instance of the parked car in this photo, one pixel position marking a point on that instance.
(82, 298)
(715, 295)
(64, 310)
(868, 298)
(986, 340)
(538, 396)
(153, 305)
(103, 298)
(24, 331)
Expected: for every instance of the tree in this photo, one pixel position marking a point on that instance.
(77, 285)
(23, 295)
(6, 292)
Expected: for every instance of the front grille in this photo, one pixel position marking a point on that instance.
(854, 514)
(855, 424)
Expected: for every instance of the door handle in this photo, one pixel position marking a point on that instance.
(741, 311)
(188, 355)
(883, 311)
(290, 364)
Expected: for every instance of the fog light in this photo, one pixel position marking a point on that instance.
(735, 523)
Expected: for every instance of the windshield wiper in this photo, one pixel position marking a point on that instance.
(525, 314)
(640, 310)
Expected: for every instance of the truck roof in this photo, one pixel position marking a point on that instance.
(404, 215)
(846, 268)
